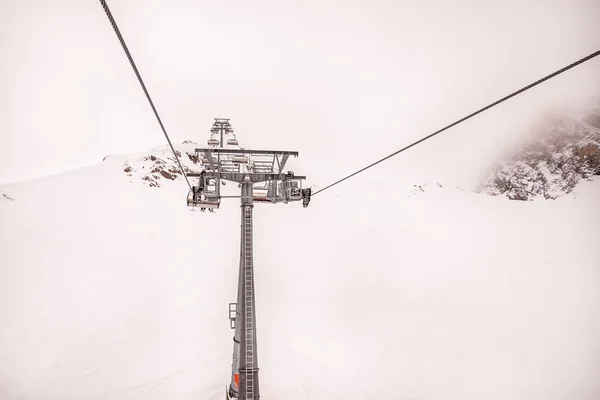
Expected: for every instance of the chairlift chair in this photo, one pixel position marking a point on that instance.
(212, 203)
(207, 198)
(232, 141)
(239, 159)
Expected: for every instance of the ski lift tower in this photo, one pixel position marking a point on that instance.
(221, 127)
(261, 176)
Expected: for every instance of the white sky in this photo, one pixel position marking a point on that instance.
(343, 82)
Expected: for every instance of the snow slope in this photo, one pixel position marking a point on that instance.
(111, 289)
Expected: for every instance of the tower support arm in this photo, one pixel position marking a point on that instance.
(251, 152)
(241, 176)
(282, 163)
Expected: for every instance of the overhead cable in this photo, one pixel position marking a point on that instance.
(513, 94)
(137, 73)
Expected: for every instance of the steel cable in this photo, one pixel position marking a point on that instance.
(137, 73)
(513, 94)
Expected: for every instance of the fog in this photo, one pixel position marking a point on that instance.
(344, 83)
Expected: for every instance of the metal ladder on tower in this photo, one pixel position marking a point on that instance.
(248, 311)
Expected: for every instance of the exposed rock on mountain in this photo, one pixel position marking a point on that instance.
(558, 153)
(160, 164)
(417, 189)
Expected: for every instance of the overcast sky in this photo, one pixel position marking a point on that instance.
(343, 82)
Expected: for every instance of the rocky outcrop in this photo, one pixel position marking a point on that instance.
(160, 164)
(557, 154)
(418, 189)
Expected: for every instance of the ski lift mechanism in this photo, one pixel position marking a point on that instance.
(284, 189)
(205, 195)
(291, 189)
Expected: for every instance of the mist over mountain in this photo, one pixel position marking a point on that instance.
(560, 151)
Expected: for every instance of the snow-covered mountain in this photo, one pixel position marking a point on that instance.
(560, 151)
(111, 288)
(159, 163)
